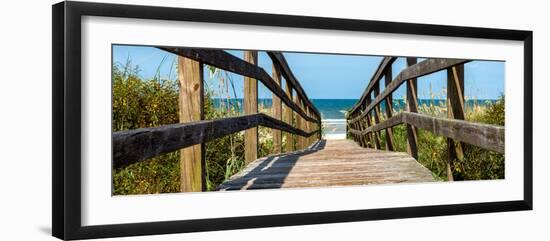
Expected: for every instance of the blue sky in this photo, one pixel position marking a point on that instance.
(327, 76)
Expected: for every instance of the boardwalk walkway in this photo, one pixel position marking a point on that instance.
(329, 163)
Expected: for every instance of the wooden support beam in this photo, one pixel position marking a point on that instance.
(190, 75)
(370, 137)
(226, 61)
(299, 124)
(277, 112)
(418, 70)
(412, 106)
(279, 59)
(287, 118)
(387, 61)
(136, 145)
(389, 108)
(296, 123)
(376, 114)
(308, 125)
(366, 125)
(490, 137)
(455, 110)
(250, 107)
(361, 138)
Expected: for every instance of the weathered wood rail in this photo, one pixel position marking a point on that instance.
(294, 115)
(364, 118)
(306, 160)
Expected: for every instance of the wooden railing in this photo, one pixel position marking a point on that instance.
(298, 119)
(364, 119)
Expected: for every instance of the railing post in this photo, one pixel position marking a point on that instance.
(250, 107)
(277, 109)
(192, 162)
(299, 122)
(389, 108)
(377, 114)
(361, 124)
(308, 127)
(455, 110)
(372, 135)
(365, 123)
(355, 126)
(287, 117)
(412, 106)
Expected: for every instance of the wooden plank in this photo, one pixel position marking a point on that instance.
(412, 106)
(287, 117)
(490, 137)
(277, 111)
(278, 57)
(386, 61)
(140, 144)
(455, 110)
(190, 75)
(250, 107)
(418, 70)
(226, 61)
(329, 163)
(389, 108)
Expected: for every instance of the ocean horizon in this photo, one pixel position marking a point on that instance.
(333, 110)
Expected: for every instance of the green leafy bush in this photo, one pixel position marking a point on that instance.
(139, 103)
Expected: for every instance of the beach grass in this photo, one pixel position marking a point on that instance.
(476, 164)
(139, 103)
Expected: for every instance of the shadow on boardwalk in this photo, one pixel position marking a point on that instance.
(329, 163)
(268, 172)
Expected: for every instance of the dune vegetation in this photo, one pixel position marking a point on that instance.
(139, 103)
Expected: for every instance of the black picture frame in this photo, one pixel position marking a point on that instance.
(66, 47)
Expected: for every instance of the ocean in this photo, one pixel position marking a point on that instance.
(333, 110)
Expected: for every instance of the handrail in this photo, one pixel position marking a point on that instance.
(386, 61)
(279, 58)
(418, 70)
(490, 137)
(226, 61)
(135, 145)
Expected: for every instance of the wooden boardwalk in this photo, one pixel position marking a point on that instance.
(326, 162)
(329, 163)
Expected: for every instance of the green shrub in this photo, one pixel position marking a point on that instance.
(139, 103)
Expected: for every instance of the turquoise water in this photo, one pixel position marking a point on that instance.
(333, 110)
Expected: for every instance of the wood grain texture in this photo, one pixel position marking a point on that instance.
(490, 137)
(190, 76)
(226, 61)
(376, 116)
(412, 106)
(277, 112)
(250, 102)
(140, 144)
(329, 163)
(455, 110)
(425, 67)
(389, 108)
(287, 118)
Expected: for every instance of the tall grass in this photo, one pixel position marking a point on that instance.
(476, 164)
(139, 103)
